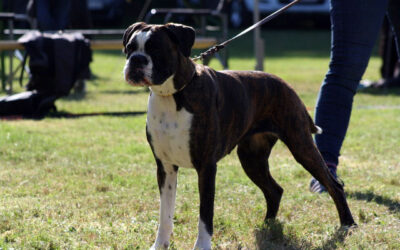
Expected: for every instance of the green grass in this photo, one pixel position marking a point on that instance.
(90, 182)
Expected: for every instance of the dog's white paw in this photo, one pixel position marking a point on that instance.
(159, 246)
(202, 247)
(202, 244)
(203, 241)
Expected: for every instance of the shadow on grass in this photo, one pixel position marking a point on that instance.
(370, 196)
(338, 237)
(79, 96)
(136, 91)
(380, 92)
(271, 236)
(67, 115)
(62, 114)
(75, 96)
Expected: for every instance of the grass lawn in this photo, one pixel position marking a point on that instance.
(90, 181)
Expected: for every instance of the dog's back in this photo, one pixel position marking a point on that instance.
(242, 103)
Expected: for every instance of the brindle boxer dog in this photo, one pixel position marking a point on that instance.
(197, 115)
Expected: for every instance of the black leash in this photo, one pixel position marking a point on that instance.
(218, 47)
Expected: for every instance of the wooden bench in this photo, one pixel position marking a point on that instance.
(100, 44)
(108, 44)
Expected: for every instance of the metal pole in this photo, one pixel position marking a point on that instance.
(3, 73)
(258, 42)
(225, 54)
(11, 54)
(143, 11)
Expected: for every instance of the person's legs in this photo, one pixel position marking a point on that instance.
(52, 15)
(62, 13)
(44, 18)
(355, 28)
(394, 17)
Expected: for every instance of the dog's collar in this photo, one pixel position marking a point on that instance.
(177, 91)
(170, 94)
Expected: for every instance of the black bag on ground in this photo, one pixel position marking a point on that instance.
(27, 104)
(56, 62)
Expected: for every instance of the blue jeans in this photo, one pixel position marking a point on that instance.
(355, 28)
(52, 15)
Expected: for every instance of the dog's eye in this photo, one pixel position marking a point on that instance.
(130, 48)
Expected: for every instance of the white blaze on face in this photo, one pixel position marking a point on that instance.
(141, 38)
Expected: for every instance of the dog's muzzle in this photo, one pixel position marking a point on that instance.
(136, 69)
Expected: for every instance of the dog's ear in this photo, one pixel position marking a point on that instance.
(129, 31)
(182, 35)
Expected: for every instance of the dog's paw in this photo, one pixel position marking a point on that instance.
(202, 246)
(158, 246)
(350, 227)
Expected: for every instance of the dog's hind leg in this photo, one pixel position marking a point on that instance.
(253, 152)
(167, 179)
(306, 153)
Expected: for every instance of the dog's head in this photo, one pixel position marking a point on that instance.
(153, 52)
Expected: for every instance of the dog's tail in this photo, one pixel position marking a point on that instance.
(314, 128)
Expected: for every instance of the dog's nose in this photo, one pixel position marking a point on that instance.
(138, 61)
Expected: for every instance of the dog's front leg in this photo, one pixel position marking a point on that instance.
(206, 176)
(166, 177)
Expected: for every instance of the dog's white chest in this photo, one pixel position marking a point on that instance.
(169, 130)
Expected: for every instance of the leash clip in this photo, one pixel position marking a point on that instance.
(211, 51)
